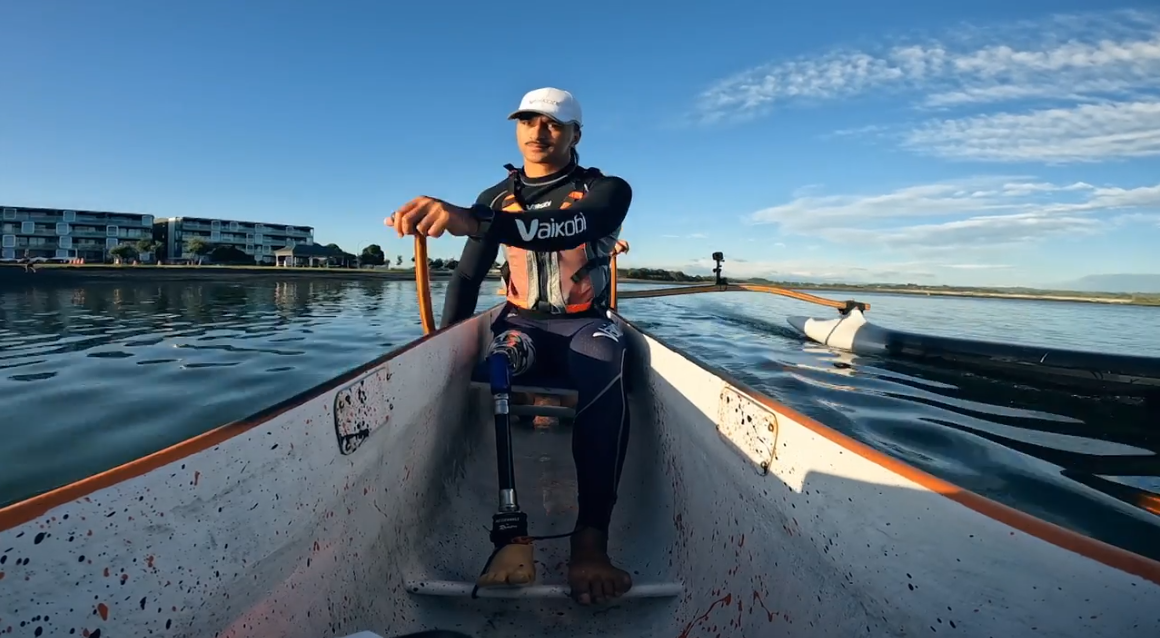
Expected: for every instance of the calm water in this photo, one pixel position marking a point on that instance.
(95, 376)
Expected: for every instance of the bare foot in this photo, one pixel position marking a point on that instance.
(513, 565)
(591, 574)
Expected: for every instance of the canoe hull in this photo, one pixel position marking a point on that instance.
(771, 523)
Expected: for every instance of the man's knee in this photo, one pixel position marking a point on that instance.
(603, 341)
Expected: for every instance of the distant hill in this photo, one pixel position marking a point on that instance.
(1113, 283)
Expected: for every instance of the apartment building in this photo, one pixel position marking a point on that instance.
(68, 234)
(257, 239)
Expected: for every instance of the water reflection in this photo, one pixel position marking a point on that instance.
(97, 375)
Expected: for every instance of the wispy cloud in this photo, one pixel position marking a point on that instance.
(1087, 88)
(975, 266)
(981, 212)
(1086, 133)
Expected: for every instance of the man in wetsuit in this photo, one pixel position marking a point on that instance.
(558, 224)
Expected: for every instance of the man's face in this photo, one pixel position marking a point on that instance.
(543, 140)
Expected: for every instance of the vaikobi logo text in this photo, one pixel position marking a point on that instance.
(552, 230)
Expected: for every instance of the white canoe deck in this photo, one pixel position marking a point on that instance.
(772, 525)
(456, 545)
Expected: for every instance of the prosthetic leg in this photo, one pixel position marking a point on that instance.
(513, 562)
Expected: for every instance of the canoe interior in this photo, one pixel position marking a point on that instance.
(301, 528)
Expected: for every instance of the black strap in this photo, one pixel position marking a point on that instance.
(581, 179)
(585, 177)
(591, 265)
(515, 185)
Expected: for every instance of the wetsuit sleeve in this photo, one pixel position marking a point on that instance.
(598, 215)
(470, 273)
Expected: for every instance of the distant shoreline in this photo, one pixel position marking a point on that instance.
(995, 295)
(15, 276)
(52, 273)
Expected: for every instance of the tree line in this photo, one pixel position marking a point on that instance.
(658, 274)
(129, 252)
(372, 255)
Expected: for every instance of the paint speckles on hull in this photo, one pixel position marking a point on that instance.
(272, 532)
(361, 408)
(749, 426)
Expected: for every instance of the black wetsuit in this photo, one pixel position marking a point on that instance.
(585, 349)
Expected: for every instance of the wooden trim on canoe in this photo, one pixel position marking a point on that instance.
(23, 511)
(1097, 550)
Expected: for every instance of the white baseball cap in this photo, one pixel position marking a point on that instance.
(555, 103)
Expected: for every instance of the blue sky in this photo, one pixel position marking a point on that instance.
(987, 143)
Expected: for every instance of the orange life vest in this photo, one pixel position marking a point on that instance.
(561, 282)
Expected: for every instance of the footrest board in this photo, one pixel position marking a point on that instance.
(463, 589)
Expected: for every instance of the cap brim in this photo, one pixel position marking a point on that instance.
(516, 114)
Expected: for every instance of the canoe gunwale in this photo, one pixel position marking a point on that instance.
(23, 511)
(1086, 546)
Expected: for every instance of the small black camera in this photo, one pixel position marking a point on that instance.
(719, 257)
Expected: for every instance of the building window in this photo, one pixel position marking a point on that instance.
(62, 228)
(64, 242)
(146, 220)
(70, 215)
(250, 248)
(111, 231)
(9, 213)
(215, 224)
(111, 242)
(9, 241)
(234, 226)
(28, 227)
(9, 253)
